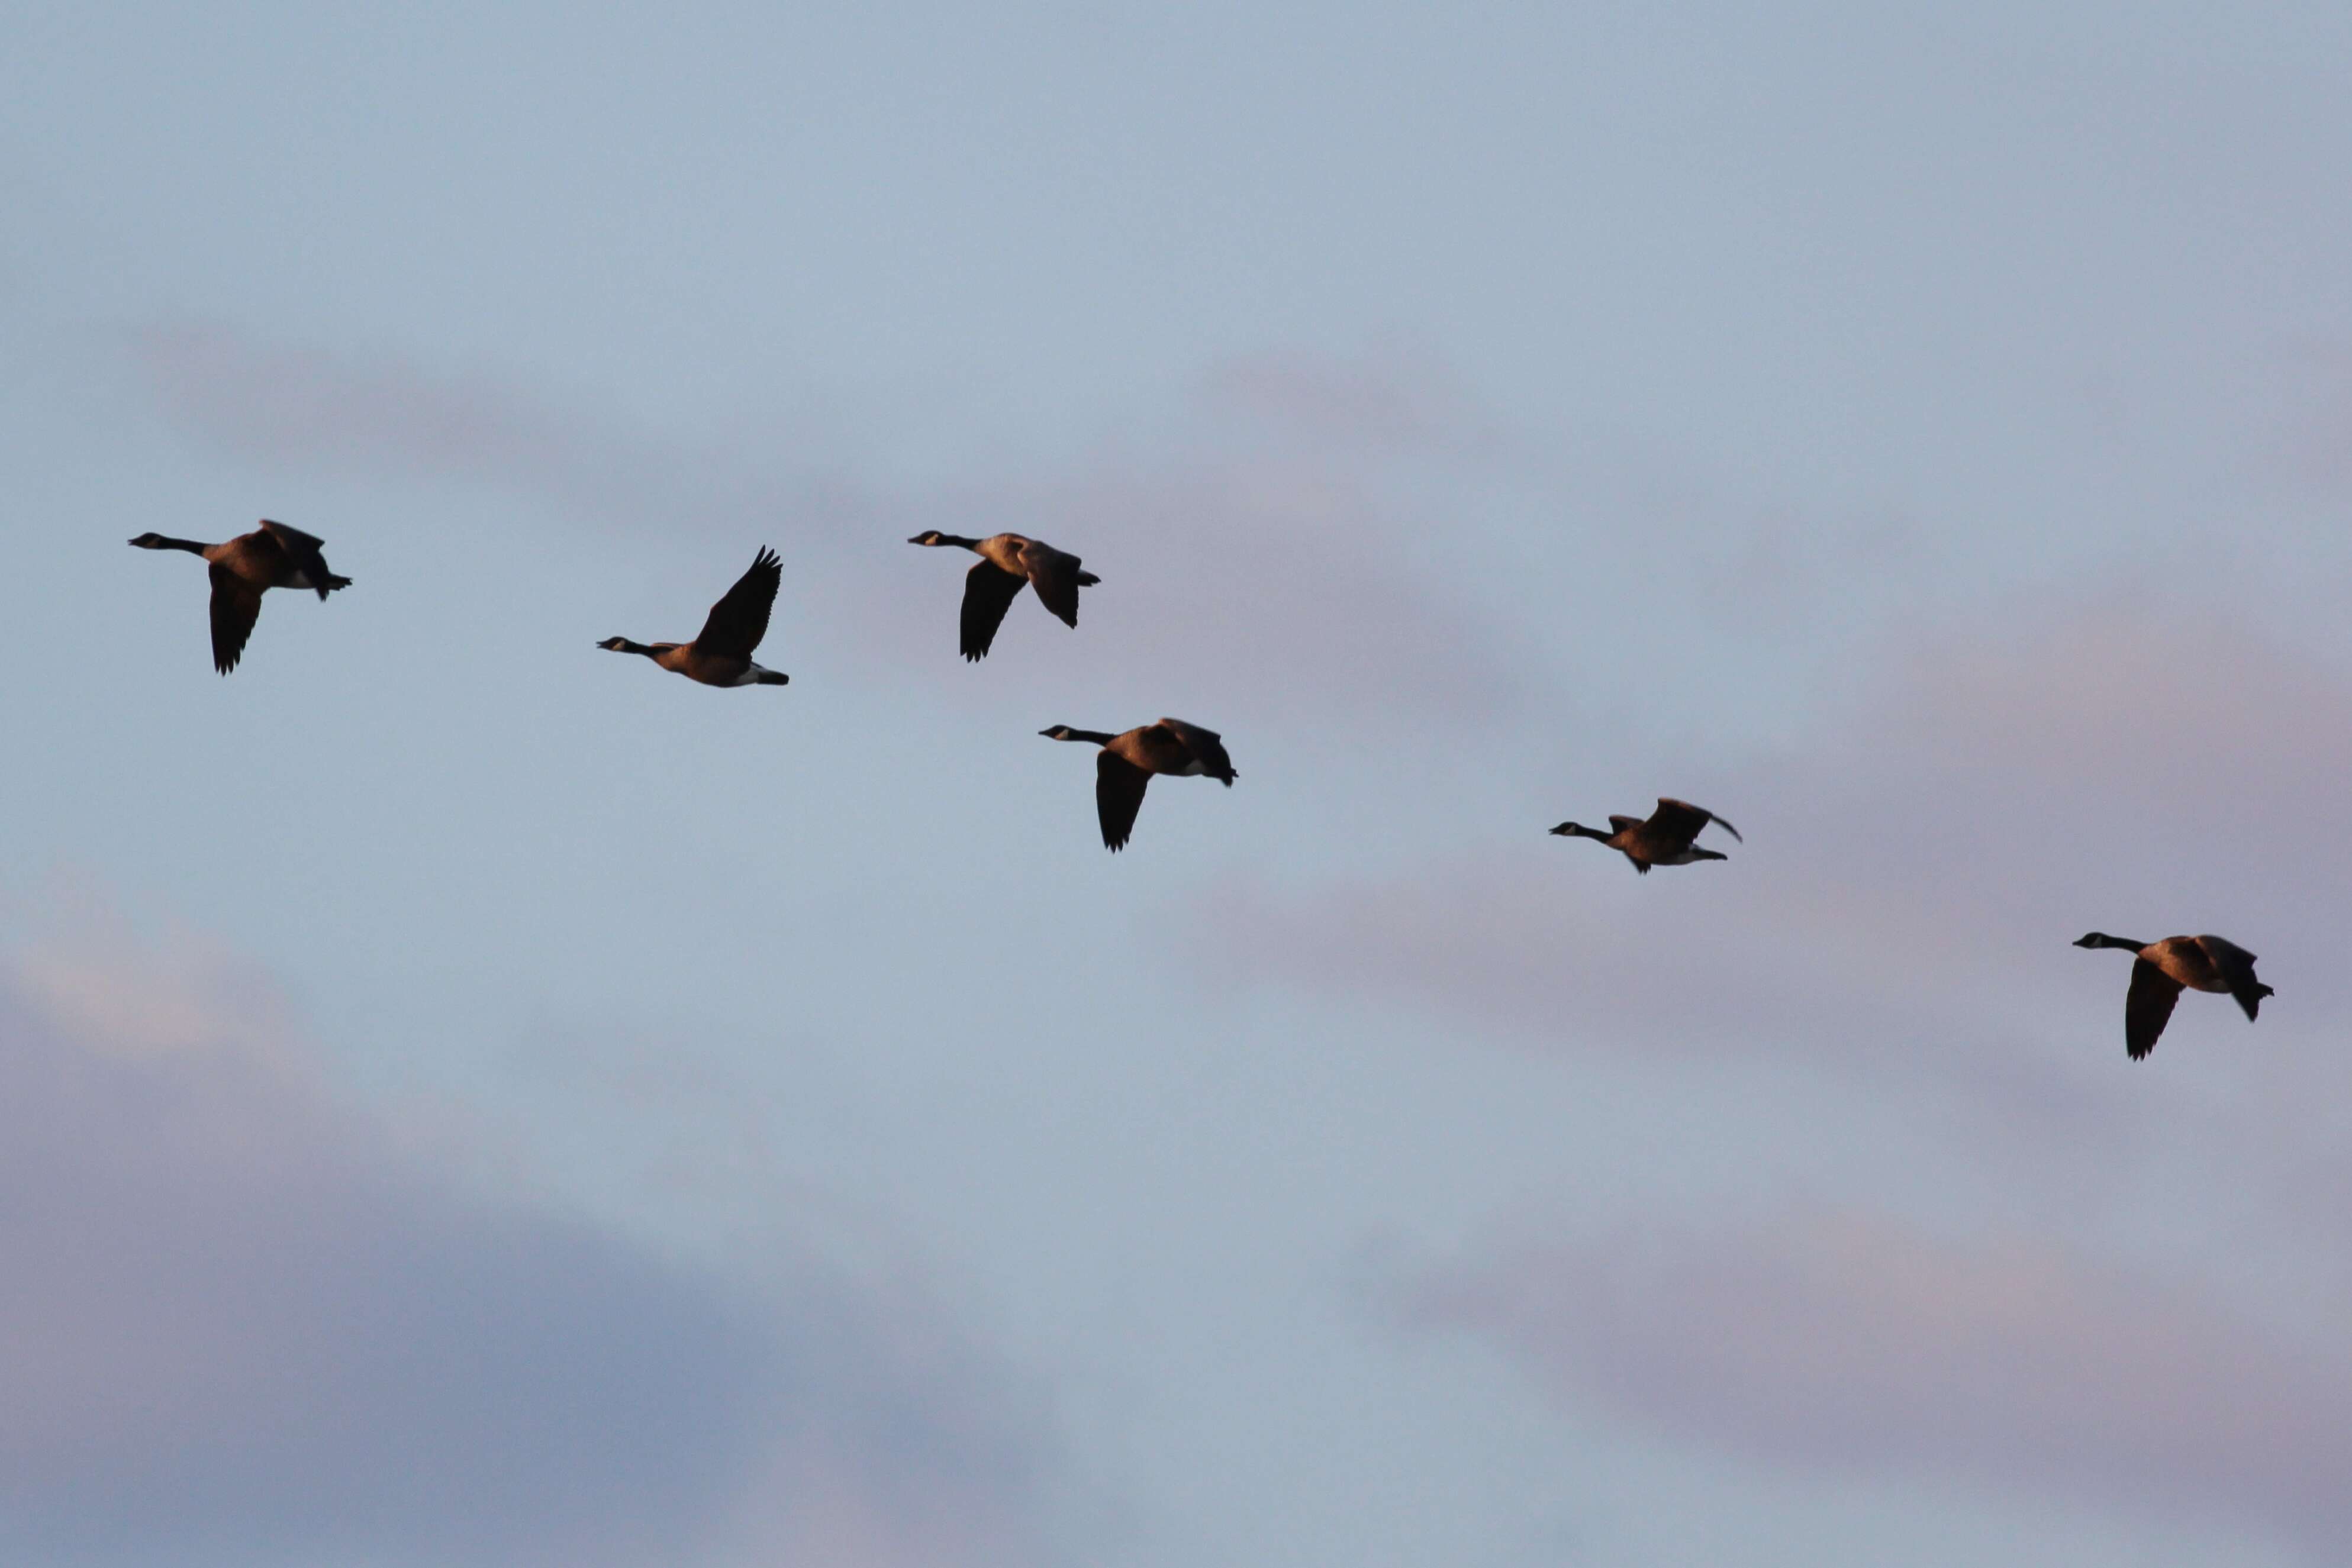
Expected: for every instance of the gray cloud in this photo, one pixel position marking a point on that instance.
(1856, 1343)
(243, 1323)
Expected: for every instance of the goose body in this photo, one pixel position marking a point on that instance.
(720, 655)
(1123, 767)
(245, 568)
(1664, 838)
(1007, 564)
(2162, 970)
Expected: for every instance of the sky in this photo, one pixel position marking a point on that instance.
(470, 1100)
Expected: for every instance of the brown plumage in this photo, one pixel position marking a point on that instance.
(720, 655)
(1664, 838)
(1123, 767)
(1007, 564)
(2163, 969)
(243, 569)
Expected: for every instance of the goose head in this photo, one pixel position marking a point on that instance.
(152, 541)
(929, 537)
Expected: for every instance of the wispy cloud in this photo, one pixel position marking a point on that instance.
(378, 415)
(1395, 402)
(1268, 532)
(1913, 871)
(243, 1320)
(1854, 1343)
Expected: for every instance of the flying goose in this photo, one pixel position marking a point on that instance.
(247, 567)
(2163, 968)
(1006, 561)
(1126, 763)
(1664, 840)
(720, 655)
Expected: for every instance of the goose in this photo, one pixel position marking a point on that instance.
(247, 567)
(2163, 968)
(1664, 840)
(1126, 763)
(1006, 561)
(720, 655)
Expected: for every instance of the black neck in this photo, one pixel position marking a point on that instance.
(956, 539)
(1095, 735)
(2125, 943)
(191, 546)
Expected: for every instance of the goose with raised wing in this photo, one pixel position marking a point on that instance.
(720, 655)
(1665, 837)
(1008, 561)
(1123, 767)
(2162, 970)
(247, 567)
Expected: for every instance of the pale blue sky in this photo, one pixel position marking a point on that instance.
(1922, 440)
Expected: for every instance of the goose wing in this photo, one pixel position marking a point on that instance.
(303, 551)
(1056, 578)
(2146, 1007)
(1618, 825)
(1119, 795)
(1684, 821)
(1194, 744)
(236, 606)
(988, 592)
(2235, 966)
(739, 619)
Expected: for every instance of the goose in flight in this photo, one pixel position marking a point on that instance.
(1006, 561)
(720, 655)
(1664, 839)
(247, 567)
(2163, 969)
(1126, 763)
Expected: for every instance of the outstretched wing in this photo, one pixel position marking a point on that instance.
(1193, 744)
(987, 593)
(1119, 795)
(303, 551)
(2146, 1007)
(739, 619)
(1056, 578)
(1684, 821)
(1618, 825)
(2236, 967)
(237, 604)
